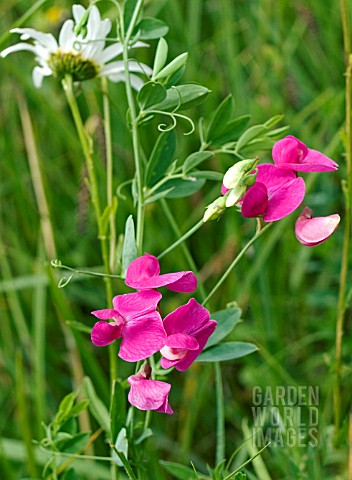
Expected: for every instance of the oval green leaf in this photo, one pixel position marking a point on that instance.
(227, 351)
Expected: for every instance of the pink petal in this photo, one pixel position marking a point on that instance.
(290, 153)
(285, 200)
(104, 333)
(255, 201)
(186, 283)
(143, 274)
(313, 231)
(319, 162)
(133, 305)
(181, 340)
(189, 319)
(191, 355)
(106, 314)
(289, 150)
(142, 337)
(149, 394)
(178, 282)
(273, 177)
(142, 268)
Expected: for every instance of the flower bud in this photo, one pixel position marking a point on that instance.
(235, 195)
(215, 209)
(235, 174)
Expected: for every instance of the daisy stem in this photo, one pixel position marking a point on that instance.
(134, 126)
(258, 234)
(347, 187)
(109, 174)
(182, 239)
(93, 188)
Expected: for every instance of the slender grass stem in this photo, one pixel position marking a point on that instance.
(220, 416)
(182, 239)
(258, 234)
(24, 415)
(347, 186)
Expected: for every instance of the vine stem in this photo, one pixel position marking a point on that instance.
(134, 126)
(186, 251)
(258, 234)
(182, 239)
(347, 187)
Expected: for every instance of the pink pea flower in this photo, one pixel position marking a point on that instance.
(188, 329)
(313, 231)
(148, 394)
(143, 274)
(275, 194)
(292, 154)
(136, 321)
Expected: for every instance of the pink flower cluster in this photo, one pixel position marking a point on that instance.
(278, 191)
(135, 318)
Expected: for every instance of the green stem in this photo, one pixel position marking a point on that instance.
(125, 463)
(109, 174)
(220, 415)
(182, 239)
(258, 234)
(134, 125)
(93, 188)
(341, 304)
(184, 246)
(67, 84)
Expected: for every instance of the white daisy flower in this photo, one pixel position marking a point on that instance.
(82, 55)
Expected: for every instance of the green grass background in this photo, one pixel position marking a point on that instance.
(274, 57)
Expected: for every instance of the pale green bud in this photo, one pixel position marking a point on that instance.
(215, 209)
(235, 195)
(235, 174)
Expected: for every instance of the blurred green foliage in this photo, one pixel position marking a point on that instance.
(275, 58)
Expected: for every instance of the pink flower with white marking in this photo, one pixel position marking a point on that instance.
(136, 321)
(143, 274)
(275, 194)
(314, 231)
(290, 153)
(188, 329)
(148, 394)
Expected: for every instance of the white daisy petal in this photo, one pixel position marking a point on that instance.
(105, 28)
(93, 23)
(110, 52)
(113, 67)
(139, 67)
(17, 47)
(118, 66)
(136, 82)
(45, 39)
(140, 44)
(114, 77)
(67, 36)
(78, 11)
(38, 74)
